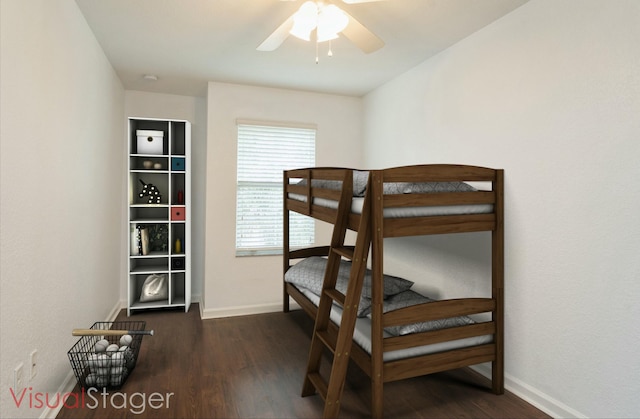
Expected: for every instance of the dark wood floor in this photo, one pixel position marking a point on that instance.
(252, 367)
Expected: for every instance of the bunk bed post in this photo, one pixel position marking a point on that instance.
(497, 280)
(376, 181)
(285, 243)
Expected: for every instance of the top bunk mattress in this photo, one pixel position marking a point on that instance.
(404, 212)
(420, 207)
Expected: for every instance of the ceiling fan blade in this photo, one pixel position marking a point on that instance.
(277, 37)
(362, 37)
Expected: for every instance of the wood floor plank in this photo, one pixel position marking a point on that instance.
(253, 367)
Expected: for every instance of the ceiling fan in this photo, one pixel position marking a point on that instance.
(327, 20)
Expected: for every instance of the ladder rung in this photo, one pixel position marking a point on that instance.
(336, 296)
(328, 339)
(344, 251)
(319, 383)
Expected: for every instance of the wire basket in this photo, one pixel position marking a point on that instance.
(103, 368)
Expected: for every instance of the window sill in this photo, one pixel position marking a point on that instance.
(258, 252)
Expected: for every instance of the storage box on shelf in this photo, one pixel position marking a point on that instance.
(150, 142)
(159, 214)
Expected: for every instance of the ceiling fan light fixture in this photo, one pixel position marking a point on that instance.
(331, 21)
(301, 32)
(305, 20)
(328, 20)
(323, 36)
(333, 17)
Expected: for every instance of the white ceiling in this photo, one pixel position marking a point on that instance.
(187, 43)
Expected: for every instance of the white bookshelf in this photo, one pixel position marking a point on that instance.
(164, 161)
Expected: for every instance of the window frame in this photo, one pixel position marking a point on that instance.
(265, 131)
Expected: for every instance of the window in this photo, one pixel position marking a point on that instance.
(264, 151)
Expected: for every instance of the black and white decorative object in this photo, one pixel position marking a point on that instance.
(151, 191)
(142, 236)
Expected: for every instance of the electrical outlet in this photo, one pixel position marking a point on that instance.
(34, 364)
(18, 382)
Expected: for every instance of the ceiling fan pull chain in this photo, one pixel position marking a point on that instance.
(330, 53)
(317, 55)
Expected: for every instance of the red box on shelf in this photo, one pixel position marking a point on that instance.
(178, 214)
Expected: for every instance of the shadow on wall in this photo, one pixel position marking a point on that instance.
(443, 266)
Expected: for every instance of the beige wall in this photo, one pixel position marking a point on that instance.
(550, 93)
(235, 285)
(62, 166)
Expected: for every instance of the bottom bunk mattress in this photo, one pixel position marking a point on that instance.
(307, 276)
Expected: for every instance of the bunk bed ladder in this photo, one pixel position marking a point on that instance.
(331, 390)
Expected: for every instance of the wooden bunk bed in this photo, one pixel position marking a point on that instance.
(397, 202)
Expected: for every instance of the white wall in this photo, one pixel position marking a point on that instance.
(235, 285)
(61, 168)
(550, 93)
(194, 110)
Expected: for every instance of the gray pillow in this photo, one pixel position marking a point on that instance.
(322, 183)
(426, 187)
(410, 298)
(309, 274)
(360, 179)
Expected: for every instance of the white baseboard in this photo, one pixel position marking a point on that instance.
(116, 310)
(216, 313)
(66, 387)
(533, 396)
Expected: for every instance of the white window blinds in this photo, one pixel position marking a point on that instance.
(264, 151)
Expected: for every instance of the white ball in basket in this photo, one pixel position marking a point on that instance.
(101, 345)
(117, 359)
(96, 361)
(117, 371)
(91, 380)
(112, 348)
(129, 359)
(116, 379)
(126, 340)
(103, 361)
(92, 361)
(102, 381)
